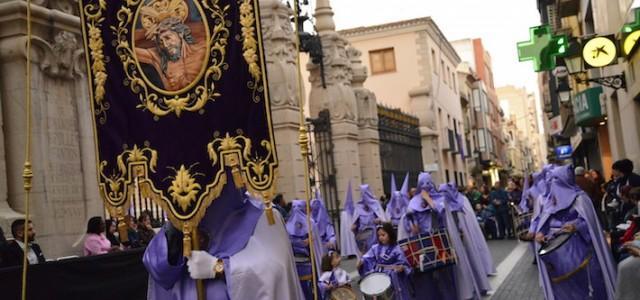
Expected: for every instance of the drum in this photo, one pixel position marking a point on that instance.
(521, 221)
(376, 286)
(343, 293)
(362, 239)
(429, 252)
(565, 255)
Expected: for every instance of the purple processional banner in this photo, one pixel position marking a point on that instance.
(180, 100)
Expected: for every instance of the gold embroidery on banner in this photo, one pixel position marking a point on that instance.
(98, 65)
(258, 170)
(250, 48)
(131, 164)
(161, 102)
(184, 188)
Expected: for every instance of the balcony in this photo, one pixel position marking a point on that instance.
(450, 143)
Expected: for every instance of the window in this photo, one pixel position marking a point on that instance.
(453, 81)
(444, 75)
(455, 177)
(449, 73)
(446, 172)
(382, 61)
(433, 61)
(476, 99)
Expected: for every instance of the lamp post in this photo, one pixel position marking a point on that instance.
(564, 91)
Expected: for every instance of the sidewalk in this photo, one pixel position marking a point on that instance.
(521, 283)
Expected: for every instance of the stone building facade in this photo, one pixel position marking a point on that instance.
(413, 67)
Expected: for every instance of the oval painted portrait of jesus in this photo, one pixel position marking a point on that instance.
(170, 43)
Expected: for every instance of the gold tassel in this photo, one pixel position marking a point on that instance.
(122, 225)
(237, 177)
(232, 161)
(268, 208)
(186, 240)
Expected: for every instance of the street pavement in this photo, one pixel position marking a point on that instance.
(517, 277)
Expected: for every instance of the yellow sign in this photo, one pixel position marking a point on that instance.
(630, 41)
(600, 51)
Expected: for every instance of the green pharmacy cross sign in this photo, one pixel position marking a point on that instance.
(543, 48)
(631, 34)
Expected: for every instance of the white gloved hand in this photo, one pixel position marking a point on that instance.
(201, 265)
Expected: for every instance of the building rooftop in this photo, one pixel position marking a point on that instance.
(425, 22)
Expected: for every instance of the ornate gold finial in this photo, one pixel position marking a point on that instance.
(27, 175)
(303, 139)
(153, 13)
(186, 240)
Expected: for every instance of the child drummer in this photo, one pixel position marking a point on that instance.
(386, 257)
(332, 275)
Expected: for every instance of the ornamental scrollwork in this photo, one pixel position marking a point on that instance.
(250, 48)
(98, 64)
(258, 170)
(133, 166)
(184, 189)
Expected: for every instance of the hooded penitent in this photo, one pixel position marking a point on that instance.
(583, 267)
(298, 230)
(368, 212)
(475, 247)
(239, 235)
(348, 244)
(443, 283)
(397, 205)
(320, 216)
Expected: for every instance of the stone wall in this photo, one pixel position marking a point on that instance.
(64, 193)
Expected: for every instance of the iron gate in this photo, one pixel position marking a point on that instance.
(400, 146)
(322, 163)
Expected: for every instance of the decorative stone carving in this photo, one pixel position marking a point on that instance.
(338, 96)
(66, 6)
(280, 51)
(63, 59)
(365, 99)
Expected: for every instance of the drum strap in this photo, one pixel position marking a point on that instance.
(582, 265)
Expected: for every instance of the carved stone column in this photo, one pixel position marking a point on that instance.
(65, 192)
(423, 107)
(279, 44)
(368, 136)
(338, 97)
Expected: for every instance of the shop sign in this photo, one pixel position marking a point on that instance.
(564, 152)
(587, 107)
(555, 125)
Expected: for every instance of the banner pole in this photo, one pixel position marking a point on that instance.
(195, 239)
(303, 140)
(27, 173)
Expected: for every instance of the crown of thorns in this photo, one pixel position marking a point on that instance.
(157, 14)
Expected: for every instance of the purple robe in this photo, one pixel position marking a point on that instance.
(299, 232)
(540, 190)
(568, 204)
(348, 244)
(239, 235)
(326, 230)
(475, 247)
(396, 208)
(442, 283)
(471, 277)
(367, 211)
(386, 255)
